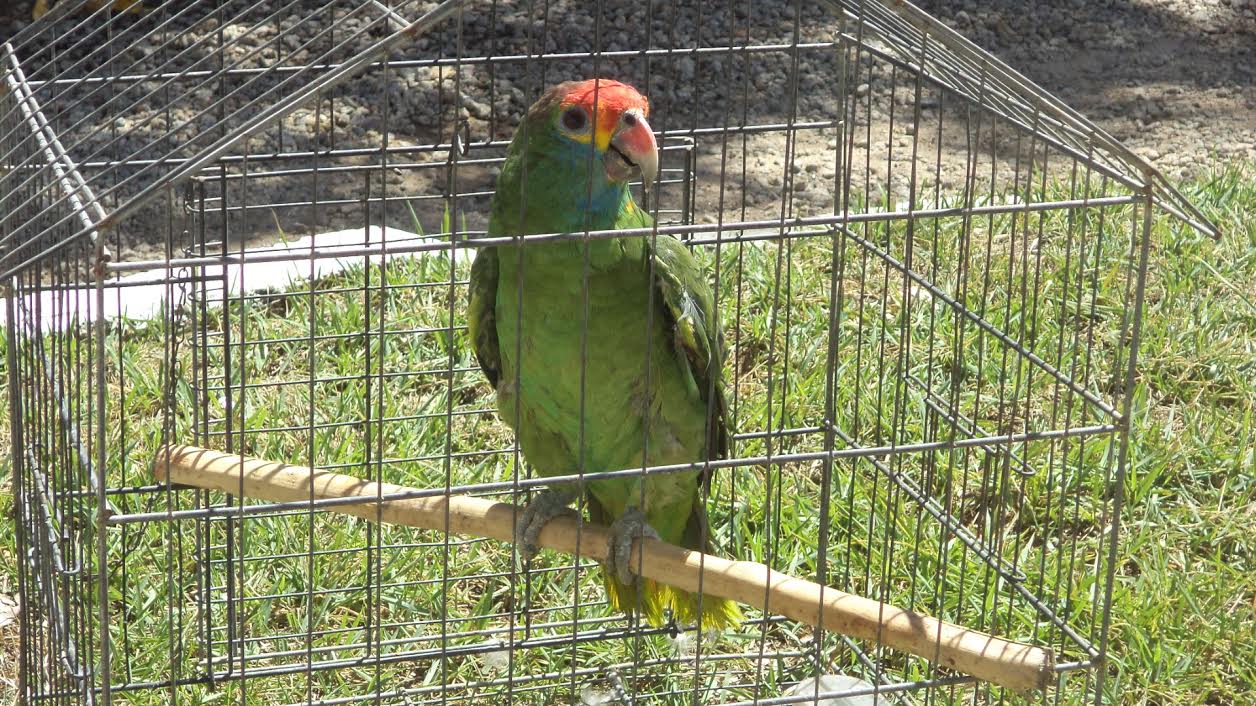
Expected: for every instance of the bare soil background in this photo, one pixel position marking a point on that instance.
(1175, 80)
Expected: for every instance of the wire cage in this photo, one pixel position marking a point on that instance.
(249, 227)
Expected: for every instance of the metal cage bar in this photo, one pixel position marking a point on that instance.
(929, 274)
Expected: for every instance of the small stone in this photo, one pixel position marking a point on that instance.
(837, 683)
(596, 695)
(476, 108)
(685, 67)
(497, 658)
(862, 89)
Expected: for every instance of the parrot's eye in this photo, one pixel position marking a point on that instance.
(574, 119)
(630, 120)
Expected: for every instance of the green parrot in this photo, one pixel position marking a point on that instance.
(539, 339)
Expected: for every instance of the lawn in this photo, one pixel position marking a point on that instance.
(1184, 613)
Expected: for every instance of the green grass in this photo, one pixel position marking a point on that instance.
(1184, 607)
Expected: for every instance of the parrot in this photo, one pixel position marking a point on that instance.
(605, 353)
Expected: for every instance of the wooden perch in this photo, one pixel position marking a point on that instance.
(1010, 664)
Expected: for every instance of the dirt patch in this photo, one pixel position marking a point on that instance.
(1175, 80)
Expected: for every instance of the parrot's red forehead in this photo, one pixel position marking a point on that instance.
(612, 96)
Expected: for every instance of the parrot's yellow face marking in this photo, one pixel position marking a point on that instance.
(601, 136)
(613, 99)
(606, 122)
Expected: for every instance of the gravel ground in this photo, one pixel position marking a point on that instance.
(1175, 80)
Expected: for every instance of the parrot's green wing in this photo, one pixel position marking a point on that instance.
(688, 306)
(686, 300)
(482, 314)
(681, 285)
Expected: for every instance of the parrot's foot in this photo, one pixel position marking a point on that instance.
(631, 525)
(543, 508)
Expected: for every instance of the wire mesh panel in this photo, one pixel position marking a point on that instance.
(250, 228)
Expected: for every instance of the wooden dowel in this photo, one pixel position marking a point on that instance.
(1014, 665)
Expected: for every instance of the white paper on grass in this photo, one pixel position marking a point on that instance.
(838, 683)
(142, 296)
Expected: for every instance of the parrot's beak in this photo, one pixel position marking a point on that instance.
(632, 150)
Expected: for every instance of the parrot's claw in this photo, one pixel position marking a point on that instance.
(543, 508)
(630, 526)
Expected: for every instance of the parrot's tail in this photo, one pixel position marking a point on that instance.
(656, 599)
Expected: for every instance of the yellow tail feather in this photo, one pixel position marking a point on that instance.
(656, 599)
